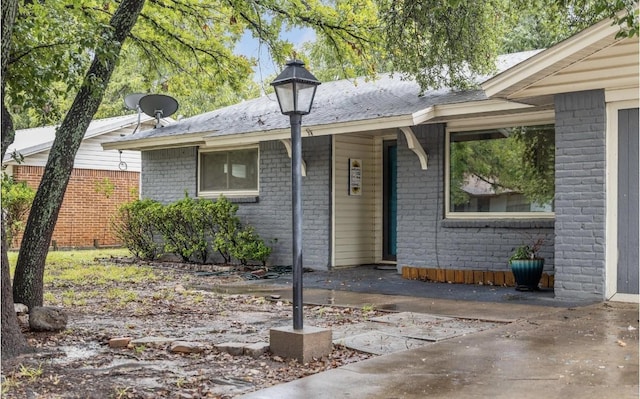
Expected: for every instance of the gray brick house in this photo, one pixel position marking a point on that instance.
(421, 202)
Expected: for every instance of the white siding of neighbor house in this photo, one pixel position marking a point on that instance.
(356, 218)
(90, 155)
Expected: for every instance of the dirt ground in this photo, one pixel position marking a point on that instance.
(79, 362)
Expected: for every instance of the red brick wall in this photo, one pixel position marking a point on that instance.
(87, 210)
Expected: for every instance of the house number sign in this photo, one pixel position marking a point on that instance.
(355, 176)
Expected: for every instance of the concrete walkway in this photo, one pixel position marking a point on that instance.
(547, 349)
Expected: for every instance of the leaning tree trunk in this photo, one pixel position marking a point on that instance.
(28, 280)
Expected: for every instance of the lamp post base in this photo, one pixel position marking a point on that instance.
(304, 344)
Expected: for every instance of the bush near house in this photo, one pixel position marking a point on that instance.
(16, 203)
(193, 229)
(135, 226)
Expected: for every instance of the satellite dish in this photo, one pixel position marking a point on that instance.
(132, 100)
(158, 106)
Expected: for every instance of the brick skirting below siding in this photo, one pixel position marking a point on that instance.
(485, 277)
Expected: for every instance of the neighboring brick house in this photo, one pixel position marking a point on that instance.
(579, 99)
(100, 182)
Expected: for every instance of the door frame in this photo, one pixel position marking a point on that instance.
(386, 143)
(611, 234)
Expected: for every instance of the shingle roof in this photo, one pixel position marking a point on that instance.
(338, 101)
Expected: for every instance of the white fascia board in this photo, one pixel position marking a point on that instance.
(548, 58)
(538, 117)
(476, 107)
(153, 143)
(361, 126)
(311, 130)
(625, 94)
(239, 139)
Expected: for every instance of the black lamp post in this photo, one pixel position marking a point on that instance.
(295, 88)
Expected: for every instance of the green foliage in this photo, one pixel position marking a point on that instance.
(227, 227)
(47, 57)
(527, 252)
(249, 246)
(190, 228)
(105, 187)
(135, 226)
(177, 46)
(539, 24)
(185, 225)
(16, 203)
(174, 47)
(443, 43)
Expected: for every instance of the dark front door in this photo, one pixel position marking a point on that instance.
(389, 217)
(628, 167)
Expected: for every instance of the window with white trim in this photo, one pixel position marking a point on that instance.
(506, 172)
(230, 172)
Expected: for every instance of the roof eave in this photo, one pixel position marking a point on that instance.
(514, 80)
(153, 143)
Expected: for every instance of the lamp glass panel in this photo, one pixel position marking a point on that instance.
(305, 97)
(286, 97)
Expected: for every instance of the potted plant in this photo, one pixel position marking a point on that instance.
(527, 265)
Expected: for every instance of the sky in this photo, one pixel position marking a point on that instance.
(266, 68)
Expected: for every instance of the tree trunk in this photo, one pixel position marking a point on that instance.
(13, 342)
(28, 280)
(9, 11)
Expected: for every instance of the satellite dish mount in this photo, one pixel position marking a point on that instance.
(158, 106)
(155, 105)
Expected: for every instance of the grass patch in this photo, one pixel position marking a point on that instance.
(82, 268)
(96, 274)
(123, 296)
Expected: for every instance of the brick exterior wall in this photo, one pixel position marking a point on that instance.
(168, 173)
(426, 239)
(87, 210)
(580, 195)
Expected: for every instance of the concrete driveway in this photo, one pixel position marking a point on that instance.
(542, 349)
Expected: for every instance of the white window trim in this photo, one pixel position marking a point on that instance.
(484, 125)
(229, 193)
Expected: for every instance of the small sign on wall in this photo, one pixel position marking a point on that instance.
(355, 176)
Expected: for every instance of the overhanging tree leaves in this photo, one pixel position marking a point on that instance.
(187, 36)
(443, 43)
(28, 280)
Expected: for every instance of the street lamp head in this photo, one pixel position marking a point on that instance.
(295, 88)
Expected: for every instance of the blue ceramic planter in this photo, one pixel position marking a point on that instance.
(527, 273)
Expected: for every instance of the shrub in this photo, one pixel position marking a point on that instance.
(191, 229)
(225, 227)
(135, 226)
(16, 204)
(184, 227)
(249, 246)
